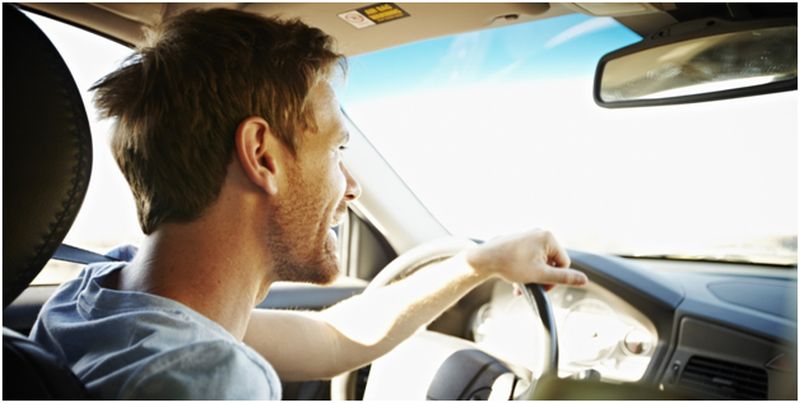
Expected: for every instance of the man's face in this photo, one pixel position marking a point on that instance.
(319, 188)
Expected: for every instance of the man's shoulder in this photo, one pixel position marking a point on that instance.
(138, 345)
(211, 369)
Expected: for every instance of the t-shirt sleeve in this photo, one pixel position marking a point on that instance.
(210, 370)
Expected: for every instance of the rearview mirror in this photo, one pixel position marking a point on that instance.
(701, 60)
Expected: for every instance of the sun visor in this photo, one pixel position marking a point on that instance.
(356, 32)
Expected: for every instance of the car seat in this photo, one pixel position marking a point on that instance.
(47, 161)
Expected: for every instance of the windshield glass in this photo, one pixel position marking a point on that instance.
(497, 131)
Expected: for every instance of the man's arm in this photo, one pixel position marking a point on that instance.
(356, 331)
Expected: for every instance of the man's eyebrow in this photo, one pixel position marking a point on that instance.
(345, 136)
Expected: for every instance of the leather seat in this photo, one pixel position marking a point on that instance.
(47, 161)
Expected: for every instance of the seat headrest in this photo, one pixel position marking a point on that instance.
(47, 151)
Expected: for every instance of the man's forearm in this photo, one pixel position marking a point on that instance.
(371, 324)
(354, 332)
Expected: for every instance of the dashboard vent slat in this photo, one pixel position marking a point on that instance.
(702, 382)
(724, 379)
(715, 375)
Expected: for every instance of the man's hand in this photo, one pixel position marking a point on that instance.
(527, 257)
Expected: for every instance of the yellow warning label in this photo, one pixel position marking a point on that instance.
(373, 14)
(383, 12)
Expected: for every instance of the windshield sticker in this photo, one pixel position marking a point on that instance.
(373, 14)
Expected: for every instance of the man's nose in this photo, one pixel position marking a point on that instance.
(353, 190)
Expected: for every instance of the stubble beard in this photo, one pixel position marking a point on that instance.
(298, 253)
(320, 268)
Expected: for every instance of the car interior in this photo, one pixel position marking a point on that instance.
(644, 328)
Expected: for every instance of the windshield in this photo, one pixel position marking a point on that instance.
(496, 131)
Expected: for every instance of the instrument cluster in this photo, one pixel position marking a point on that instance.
(600, 336)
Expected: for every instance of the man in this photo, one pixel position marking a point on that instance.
(230, 136)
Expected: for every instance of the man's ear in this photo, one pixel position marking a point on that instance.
(259, 152)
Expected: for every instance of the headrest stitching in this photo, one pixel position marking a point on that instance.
(78, 180)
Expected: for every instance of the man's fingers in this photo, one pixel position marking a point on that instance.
(559, 258)
(557, 255)
(553, 275)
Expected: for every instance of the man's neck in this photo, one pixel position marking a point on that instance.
(206, 265)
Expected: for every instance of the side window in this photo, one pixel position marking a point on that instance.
(108, 216)
(364, 250)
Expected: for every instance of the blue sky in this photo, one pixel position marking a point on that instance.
(553, 48)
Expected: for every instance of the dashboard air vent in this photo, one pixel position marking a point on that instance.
(724, 379)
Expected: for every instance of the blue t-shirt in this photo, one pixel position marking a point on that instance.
(134, 345)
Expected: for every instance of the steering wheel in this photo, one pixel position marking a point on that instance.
(485, 367)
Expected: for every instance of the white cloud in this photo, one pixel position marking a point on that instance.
(593, 25)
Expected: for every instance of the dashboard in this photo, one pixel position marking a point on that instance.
(704, 329)
(692, 330)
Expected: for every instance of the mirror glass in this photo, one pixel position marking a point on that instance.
(703, 65)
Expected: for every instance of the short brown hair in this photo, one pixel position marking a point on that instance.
(179, 99)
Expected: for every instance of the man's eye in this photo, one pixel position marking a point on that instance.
(343, 147)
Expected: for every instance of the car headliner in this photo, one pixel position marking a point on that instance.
(124, 21)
